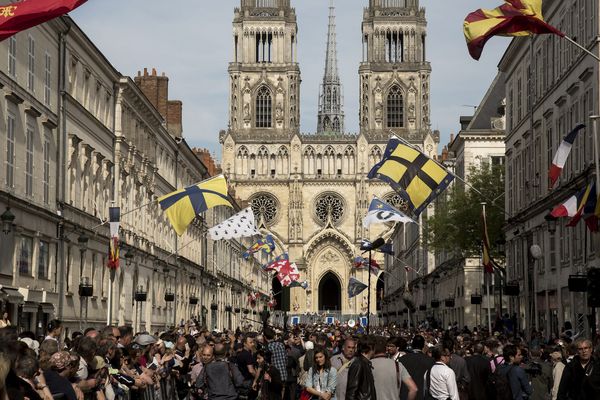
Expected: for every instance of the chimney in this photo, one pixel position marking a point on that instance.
(156, 89)
(451, 137)
(174, 117)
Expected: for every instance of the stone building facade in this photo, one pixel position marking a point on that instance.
(551, 86)
(480, 141)
(310, 190)
(77, 138)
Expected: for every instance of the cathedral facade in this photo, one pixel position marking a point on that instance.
(310, 190)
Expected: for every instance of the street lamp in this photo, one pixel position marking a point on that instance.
(7, 218)
(551, 221)
(129, 256)
(82, 241)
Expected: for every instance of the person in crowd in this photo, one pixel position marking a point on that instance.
(361, 383)
(515, 375)
(321, 380)
(54, 330)
(396, 348)
(494, 352)
(390, 375)
(440, 380)
(540, 375)
(278, 353)
(575, 380)
(4, 321)
(246, 362)
(479, 370)
(60, 370)
(459, 366)
(416, 363)
(292, 369)
(220, 379)
(305, 362)
(268, 383)
(125, 336)
(341, 362)
(557, 370)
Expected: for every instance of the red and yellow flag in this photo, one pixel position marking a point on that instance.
(488, 263)
(513, 18)
(17, 17)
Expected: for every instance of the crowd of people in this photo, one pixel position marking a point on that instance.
(321, 362)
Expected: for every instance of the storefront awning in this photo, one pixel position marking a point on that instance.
(12, 295)
(47, 308)
(30, 307)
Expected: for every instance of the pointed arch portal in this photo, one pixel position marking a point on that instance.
(330, 293)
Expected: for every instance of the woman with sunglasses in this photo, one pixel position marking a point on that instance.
(322, 378)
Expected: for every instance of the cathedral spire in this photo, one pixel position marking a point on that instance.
(331, 114)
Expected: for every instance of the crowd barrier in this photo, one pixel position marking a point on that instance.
(165, 390)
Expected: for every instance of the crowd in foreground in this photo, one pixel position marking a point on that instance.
(324, 362)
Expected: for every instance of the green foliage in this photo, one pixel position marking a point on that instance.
(456, 226)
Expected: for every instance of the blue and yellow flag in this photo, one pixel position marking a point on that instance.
(267, 245)
(417, 178)
(184, 205)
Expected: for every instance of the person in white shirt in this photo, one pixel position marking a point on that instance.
(440, 380)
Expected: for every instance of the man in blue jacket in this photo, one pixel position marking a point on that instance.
(516, 376)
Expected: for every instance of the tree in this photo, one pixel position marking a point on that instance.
(456, 226)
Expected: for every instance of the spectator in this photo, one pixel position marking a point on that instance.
(125, 336)
(515, 375)
(459, 366)
(396, 348)
(557, 370)
(54, 330)
(574, 380)
(361, 383)
(219, 378)
(341, 362)
(440, 380)
(540, 376)
(416, 363)
(479, 371)
(390, 375)
(268, 383)
(322, 377)
(278, 353)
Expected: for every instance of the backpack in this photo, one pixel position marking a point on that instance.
(497, 386)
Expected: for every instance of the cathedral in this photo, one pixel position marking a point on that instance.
(310, 191)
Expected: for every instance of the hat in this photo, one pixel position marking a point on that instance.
(145, 339)
(32, 344)
(98, 363)
(308, 345)
(60, 360)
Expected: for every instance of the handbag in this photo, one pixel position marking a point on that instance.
(304, 395)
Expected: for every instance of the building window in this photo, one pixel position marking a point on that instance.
(47, 79)
(264, 47)
(395, 108)
(24, 261)
(265, 208)
(263, 108)
(12, 56)
(43, 259)
(29, 136)
(46, 177)
(329, 207)
(31, 64)
(10, 150)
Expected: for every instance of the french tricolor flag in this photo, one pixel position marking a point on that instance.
(560, 158)
(574, 205)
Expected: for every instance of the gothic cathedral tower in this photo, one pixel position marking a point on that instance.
(331, 112)
(395, 73)
(265, 76)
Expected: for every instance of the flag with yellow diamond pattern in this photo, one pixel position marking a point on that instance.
(417, 178)
(183, 205)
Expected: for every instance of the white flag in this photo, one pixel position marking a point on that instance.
(380, 212)
(240, 225)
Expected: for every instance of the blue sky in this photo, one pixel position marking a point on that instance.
(190, 40)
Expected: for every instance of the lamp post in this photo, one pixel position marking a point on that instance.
(82, 241)
(7, 219)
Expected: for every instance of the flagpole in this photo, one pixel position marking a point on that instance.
(581, 47)
(369, 296)
(594, 119)
(487, 279)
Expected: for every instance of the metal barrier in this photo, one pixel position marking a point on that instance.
(166, 390)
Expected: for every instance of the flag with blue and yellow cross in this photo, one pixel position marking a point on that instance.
(417, 178)
(183, 205)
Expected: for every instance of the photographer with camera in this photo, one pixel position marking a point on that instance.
(540, 375)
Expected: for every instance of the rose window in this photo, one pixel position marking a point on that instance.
(329, 207)
(396, 201)
(264, 207)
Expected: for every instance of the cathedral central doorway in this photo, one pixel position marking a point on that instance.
(330, 293)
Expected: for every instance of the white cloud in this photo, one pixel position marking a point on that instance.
(190, 40)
